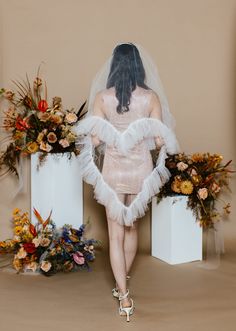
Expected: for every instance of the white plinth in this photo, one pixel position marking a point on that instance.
(57, 185)
(176, 235)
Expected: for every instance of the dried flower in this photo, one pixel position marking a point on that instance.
(32, 147)
(182, 166)
(64, 142)
(52, 138)
(45, 147)
(46, 266)
(44, 117)
(42, 105)
(44, 242)
(21, 253)
(203, 193)
(215, 187)
(186, 187)
(32, 266)
(71, 118)
(8, 94)
(37, 83)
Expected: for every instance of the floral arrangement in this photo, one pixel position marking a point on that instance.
(35, 125)
(201, 177)
(45, 249)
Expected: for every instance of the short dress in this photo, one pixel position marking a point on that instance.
(125, 173)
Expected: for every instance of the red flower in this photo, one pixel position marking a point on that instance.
(29, 248)
(42, 105)
(21, 124)
(33, 230)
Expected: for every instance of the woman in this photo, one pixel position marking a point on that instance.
(126, 122)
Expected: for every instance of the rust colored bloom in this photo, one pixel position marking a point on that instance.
(21, 124)
(52, 138)
(186, 187)
(42, 105)
(56, 119)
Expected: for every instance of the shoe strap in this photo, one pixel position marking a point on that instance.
(124, 295)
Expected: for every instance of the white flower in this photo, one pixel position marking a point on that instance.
(71, 117)
(182, 166)
(32, 266)
(44, 242)
(21, 253)
(203, 193)
(64, 142)
(36, 241)
(45, 147)
(46, 266)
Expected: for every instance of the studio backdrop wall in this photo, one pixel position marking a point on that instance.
(192, 42)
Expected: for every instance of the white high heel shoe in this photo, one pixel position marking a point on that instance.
(127, 310)
(115, 291)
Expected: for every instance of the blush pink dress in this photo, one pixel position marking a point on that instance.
(125, 173)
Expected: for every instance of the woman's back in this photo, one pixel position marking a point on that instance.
(138, 107)
(125, 173)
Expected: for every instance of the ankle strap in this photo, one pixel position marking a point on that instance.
(124, 295)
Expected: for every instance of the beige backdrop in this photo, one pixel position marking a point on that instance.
(192, 42)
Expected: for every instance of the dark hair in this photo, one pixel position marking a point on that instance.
(126, 72)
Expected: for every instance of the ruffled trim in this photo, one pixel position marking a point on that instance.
(136, 132)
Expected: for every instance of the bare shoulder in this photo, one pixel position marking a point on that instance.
(154, 98)
(155, 105)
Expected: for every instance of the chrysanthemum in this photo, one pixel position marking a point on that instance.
(186, 187)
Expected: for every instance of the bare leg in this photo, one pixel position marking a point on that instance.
(116, 233)
(131, 238)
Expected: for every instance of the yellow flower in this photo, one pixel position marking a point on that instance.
(40, 137)
(175, 186)
(32, 147)
(18, 230)
(186, 187)
(16, 211)
(196, 179)
(3, 244)
(197, 157)
(17, 263)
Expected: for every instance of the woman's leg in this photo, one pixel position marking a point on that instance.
(131, 238)
(116, 233)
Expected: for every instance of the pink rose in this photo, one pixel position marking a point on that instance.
(202, 193)
(78, 258)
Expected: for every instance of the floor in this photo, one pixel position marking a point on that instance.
(167, 297)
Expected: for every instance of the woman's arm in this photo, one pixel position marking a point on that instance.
(97, 111)
(155, 112)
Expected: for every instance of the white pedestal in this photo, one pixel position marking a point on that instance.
(57, 185)
(176, 235)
